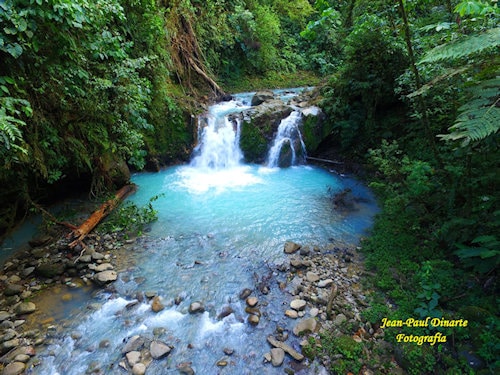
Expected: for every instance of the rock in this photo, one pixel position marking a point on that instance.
(253, 319)
(196, 307)
(156, 304)
(85, 258)
(292, 314)
(312, 277)
(185, 369)
(22, 358)
(13, 289)
(287, 348)
(325, 283)
(291, 247)
(105, 277)
(14, 368)
(139, 369)
(133, 357)
(8, 345)
(261, 97)
(226, 311)
(50, 270)
(339, 319)
(305, 326)
(4, 315)
(159, 349)
(298, 304)
(245, 293)
(222, 362)
(97, 256)
(40, 241)
(25, 308)
(314, 312)
(28, 271)
(133, 344)
(103, 267)
(277, 356)
(252, 301)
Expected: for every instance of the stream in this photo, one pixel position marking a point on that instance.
(221, 227)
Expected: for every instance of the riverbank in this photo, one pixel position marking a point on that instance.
(321, 289)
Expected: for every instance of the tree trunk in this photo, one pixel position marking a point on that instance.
(78, 234)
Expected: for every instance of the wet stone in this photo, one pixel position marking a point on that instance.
(156, 304)
(25, 308)
(245, 293)
(14, 368)
(298, 304)
(159, 349)
(277, 356)
(139, 369)
(196, 307)
(252, 301)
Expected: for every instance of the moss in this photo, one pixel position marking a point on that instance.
(253, 143)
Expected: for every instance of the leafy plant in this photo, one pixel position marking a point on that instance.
(483, 253)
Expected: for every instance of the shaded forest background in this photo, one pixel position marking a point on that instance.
(89, 89)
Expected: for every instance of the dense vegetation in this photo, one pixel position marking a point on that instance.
(411, 88)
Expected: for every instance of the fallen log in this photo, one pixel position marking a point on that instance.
(79, 233)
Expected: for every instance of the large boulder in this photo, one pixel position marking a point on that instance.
(259, 127)
(261, 97)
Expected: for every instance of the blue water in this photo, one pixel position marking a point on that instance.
(218, 231)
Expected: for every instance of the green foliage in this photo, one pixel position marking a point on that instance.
(429, 297)
(465, 46)
(130, 218)
(482, 254)
(480, 116)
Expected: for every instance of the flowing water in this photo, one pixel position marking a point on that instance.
(221, 227)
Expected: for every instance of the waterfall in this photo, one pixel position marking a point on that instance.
(219, 136)
(288, 135)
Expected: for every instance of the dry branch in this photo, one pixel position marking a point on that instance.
(78, 234)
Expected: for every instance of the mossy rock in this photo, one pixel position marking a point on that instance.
(50, 270)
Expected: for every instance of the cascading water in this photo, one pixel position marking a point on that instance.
(220, 225)
(288, 135)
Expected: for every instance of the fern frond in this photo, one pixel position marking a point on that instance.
(479, 117)
(467, 46)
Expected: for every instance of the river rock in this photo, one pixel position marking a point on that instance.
(245, 293)
(105, 276)
(40, 241)
(298, 304)
(139, 369)
(8, 345)
(13, 289)
(159, 349)
(277, 356)
(312, 277)
(261, 97)
(133, 357)
(25, 308)
(305, 326)
(22, 358)
(253, 319)
(185, 369)
(50, 270)
(4, 315)
(291, 247)
(339, 319)
(103, 267)
(134, 343)
(252, 301)
(287, 348)
(196, 307)
(28, 271)
(14, 368)
(156, 304)
(325, 283)
(226, 311)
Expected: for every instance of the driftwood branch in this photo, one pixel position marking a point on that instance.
(79, 233)
(329, 306)
(205, 76)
